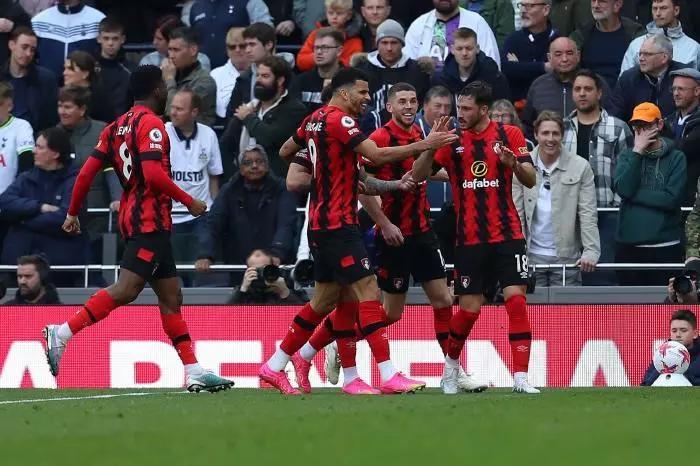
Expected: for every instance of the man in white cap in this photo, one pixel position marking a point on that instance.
(388, 65)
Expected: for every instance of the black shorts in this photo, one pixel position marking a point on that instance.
(419, 256)
(339, 256)
(150, 255)
(480, 267)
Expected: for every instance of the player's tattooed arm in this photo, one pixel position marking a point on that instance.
(288, 149)
(374, 187)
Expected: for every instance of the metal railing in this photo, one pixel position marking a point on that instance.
(87, 268)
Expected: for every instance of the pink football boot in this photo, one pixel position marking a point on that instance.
(360, 387)
(302, 368)
(278, 380)
(399, 383)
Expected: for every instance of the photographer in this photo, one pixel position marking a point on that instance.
(263, 283)
(683, 289)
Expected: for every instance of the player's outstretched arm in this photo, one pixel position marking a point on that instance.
(298, 178)
(423, 166)
(373, 187)
(156, 178)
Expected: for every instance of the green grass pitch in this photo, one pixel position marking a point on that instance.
(590, 427)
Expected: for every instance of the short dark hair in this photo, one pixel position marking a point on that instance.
(261, 31)
(195, 99)
(111, 24)
(399, 87)
(388, 2)
(80, 96)
(144, 80)
(675, 2)
(586, 73)
(85, 62)
(464, 33)
(687, 315)
(188, 35)
(40, 262)
(21, 31)
(333, 33)
(479, 91)
(346, 77)
(437, 91)
(58, 141)
(165, 24)
(279, 67)
(6, 91)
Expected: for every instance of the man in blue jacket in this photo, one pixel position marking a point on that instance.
(684, 329)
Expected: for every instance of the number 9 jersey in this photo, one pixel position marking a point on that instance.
(136, 136)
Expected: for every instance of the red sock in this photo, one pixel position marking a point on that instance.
(176, 329)
(460, 326)
(373, 320)
(303, 326)
(344, 329)
(442, 319)
(95, 309)
(323, 335)
(519, 333)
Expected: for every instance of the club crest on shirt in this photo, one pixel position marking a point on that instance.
(465, 280)
(203, 155)
(398, 283)
(365, 263)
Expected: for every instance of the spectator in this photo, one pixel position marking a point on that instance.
(388, 65)
(650, 179)
(16, 140)
(225, 76)
(684, 124)
(106, 190)
(252, 211)
(114, 70)
(256, 290)
(503, 111)
(552, 91)
(650, 81)
(467, 64)
(437, 103)
(590, 132)
(559, 213)
(34, 7)
(282, 13)
(339, 15)
(603, 43)
(570, 15)
(431, 34)
(67, 27)
(640, 11)
(37, 202)
(34, 285)
(35, 89)
(195, 164)
(269, 118)
(327, 49)
(161, 36)
(308, 13)
(684, 330)
(260, 43)
(11, 16)
(666, 13)
(374, 13)
(80, 70)
(211, 20)
(499, 14)
(182, 70)
(524, 53)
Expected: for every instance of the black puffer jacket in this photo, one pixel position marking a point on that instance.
(485, 70)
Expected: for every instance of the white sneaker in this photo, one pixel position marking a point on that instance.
(54, 347)
(332, 364)
(450, 376)
(468, 383)
(522, 385)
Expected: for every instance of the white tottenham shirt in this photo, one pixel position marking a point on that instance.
(16, 137)
(192, 161)
(542, 240)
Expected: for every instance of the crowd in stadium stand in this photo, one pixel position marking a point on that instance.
(242, 74)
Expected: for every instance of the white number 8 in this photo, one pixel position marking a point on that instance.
(126, 158)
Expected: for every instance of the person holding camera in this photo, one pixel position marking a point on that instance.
(263, 283)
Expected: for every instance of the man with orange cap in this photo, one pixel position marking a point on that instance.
(650, 179)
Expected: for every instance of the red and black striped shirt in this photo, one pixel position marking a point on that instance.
(136, 136)
(482, 185)
(409, 211)
(331, 135)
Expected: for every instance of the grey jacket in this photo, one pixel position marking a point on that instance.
(199, 80)
(574, 212)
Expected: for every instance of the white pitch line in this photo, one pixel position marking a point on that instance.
(91, 397)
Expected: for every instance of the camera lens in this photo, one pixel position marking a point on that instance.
(682, 285)
(270, 273)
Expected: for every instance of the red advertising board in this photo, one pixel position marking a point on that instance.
(574, 345)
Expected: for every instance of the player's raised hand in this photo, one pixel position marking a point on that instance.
(407, 183)
(197, 208)
(71, 225)
(392, 235)
(436, 140)
(442, 124)
(506, 155)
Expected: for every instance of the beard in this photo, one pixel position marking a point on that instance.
(29, 294)
(445, 9)
(264, 93)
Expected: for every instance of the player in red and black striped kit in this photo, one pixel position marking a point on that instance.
(136, 145)
(490, 245)
(334, 142)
